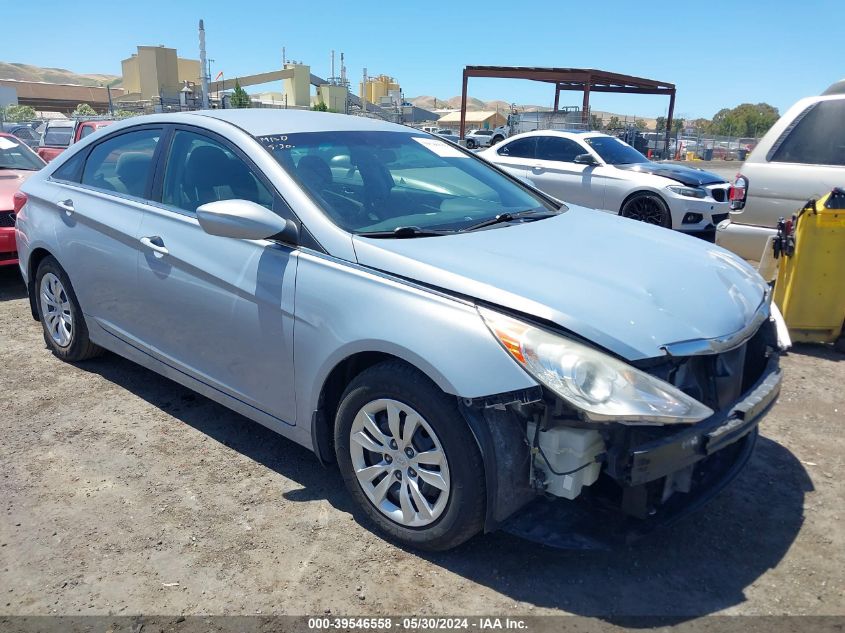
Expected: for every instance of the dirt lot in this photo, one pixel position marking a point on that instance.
(124, 493)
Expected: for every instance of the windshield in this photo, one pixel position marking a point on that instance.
(16, 155)
(372, 182)
(613, 151)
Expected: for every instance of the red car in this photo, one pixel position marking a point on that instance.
(59, 135)
(17, 163)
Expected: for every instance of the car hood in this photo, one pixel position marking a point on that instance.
(688, 176)
(627, 286)
(10, 182)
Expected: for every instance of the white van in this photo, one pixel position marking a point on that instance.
(801, 157)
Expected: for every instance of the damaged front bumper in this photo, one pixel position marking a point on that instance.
(653, 483)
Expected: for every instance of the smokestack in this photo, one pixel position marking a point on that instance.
(204, 70)
(342, 70)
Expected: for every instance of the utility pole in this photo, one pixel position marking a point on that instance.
(204, 66)
(364, 92)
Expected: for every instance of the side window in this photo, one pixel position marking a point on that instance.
(123, 163)
(818, 138)
(557, 148)
(520, 148)
(71, 169)
(201, 170)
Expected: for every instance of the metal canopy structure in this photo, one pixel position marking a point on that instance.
(585, 80)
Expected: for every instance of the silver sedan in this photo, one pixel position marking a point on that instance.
(460, 344)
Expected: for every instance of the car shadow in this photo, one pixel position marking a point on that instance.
(698, 566)
(11, 283)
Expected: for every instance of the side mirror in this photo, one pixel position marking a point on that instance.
(242, 219)
(585, 159)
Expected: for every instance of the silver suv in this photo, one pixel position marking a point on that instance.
(458, 343)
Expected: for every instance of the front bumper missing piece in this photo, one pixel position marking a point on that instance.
(717, 448)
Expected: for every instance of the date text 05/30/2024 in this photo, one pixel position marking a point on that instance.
(417, 623)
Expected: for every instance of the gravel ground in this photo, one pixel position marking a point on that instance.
(125, 493)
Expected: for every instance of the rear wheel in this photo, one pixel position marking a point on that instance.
(61, 317)
(647, 207)
(409, 459)
(470, 144)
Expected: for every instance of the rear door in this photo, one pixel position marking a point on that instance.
(99, 197)
(218, 309)
(515, 156)
(555, 172)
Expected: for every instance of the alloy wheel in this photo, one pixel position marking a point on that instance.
(55, 310)
(399, 463)
(645, 209)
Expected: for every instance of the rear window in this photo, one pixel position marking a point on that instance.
(58, 136)
(818, 138)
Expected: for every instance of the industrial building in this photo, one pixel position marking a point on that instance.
(381, 90)
(47, 97)
(157, 71)
(483, 119)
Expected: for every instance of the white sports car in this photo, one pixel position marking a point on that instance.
(602, 172)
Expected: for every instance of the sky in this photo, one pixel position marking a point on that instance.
(718, 54)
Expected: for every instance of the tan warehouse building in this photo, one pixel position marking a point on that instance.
(157, 71)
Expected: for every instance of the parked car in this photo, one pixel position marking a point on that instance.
(59, 135)
(448, 135)
(458, 342)
(603, 172)
(25, 132)
(479, 138)
(801, 157)
(17, 163)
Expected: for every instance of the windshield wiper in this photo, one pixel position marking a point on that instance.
(405, 232)
(536, 214)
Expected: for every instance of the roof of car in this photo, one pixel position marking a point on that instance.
(563, 133)
(262, 121)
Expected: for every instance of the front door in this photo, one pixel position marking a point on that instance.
(555, 172)
(220, 309)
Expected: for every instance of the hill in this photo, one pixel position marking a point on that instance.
(26, 72)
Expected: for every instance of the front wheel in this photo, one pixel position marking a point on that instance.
(470, 144)
(409, 459)
(647, 207)
(497, 140)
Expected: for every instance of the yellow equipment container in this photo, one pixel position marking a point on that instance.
(810, 286)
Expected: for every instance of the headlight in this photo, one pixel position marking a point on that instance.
(689, 192)
(604, 388)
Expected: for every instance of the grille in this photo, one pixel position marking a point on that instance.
(7, 219)
(719, 195)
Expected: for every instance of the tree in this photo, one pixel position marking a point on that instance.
(240, 99)
(125, 114)
(614, 123)
(19, 113)
(640, 124)
(660, 124)
(595, 122)
(320, 107)
(751, 120)
(83, 109)
(677, 126)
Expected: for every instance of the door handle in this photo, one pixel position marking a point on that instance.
(155, 244)
(537, 168)
(66, 206)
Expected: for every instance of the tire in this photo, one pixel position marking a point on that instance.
(470, 144)
(647, 207)
(61, 317)
(454, 508)
(496, 140)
